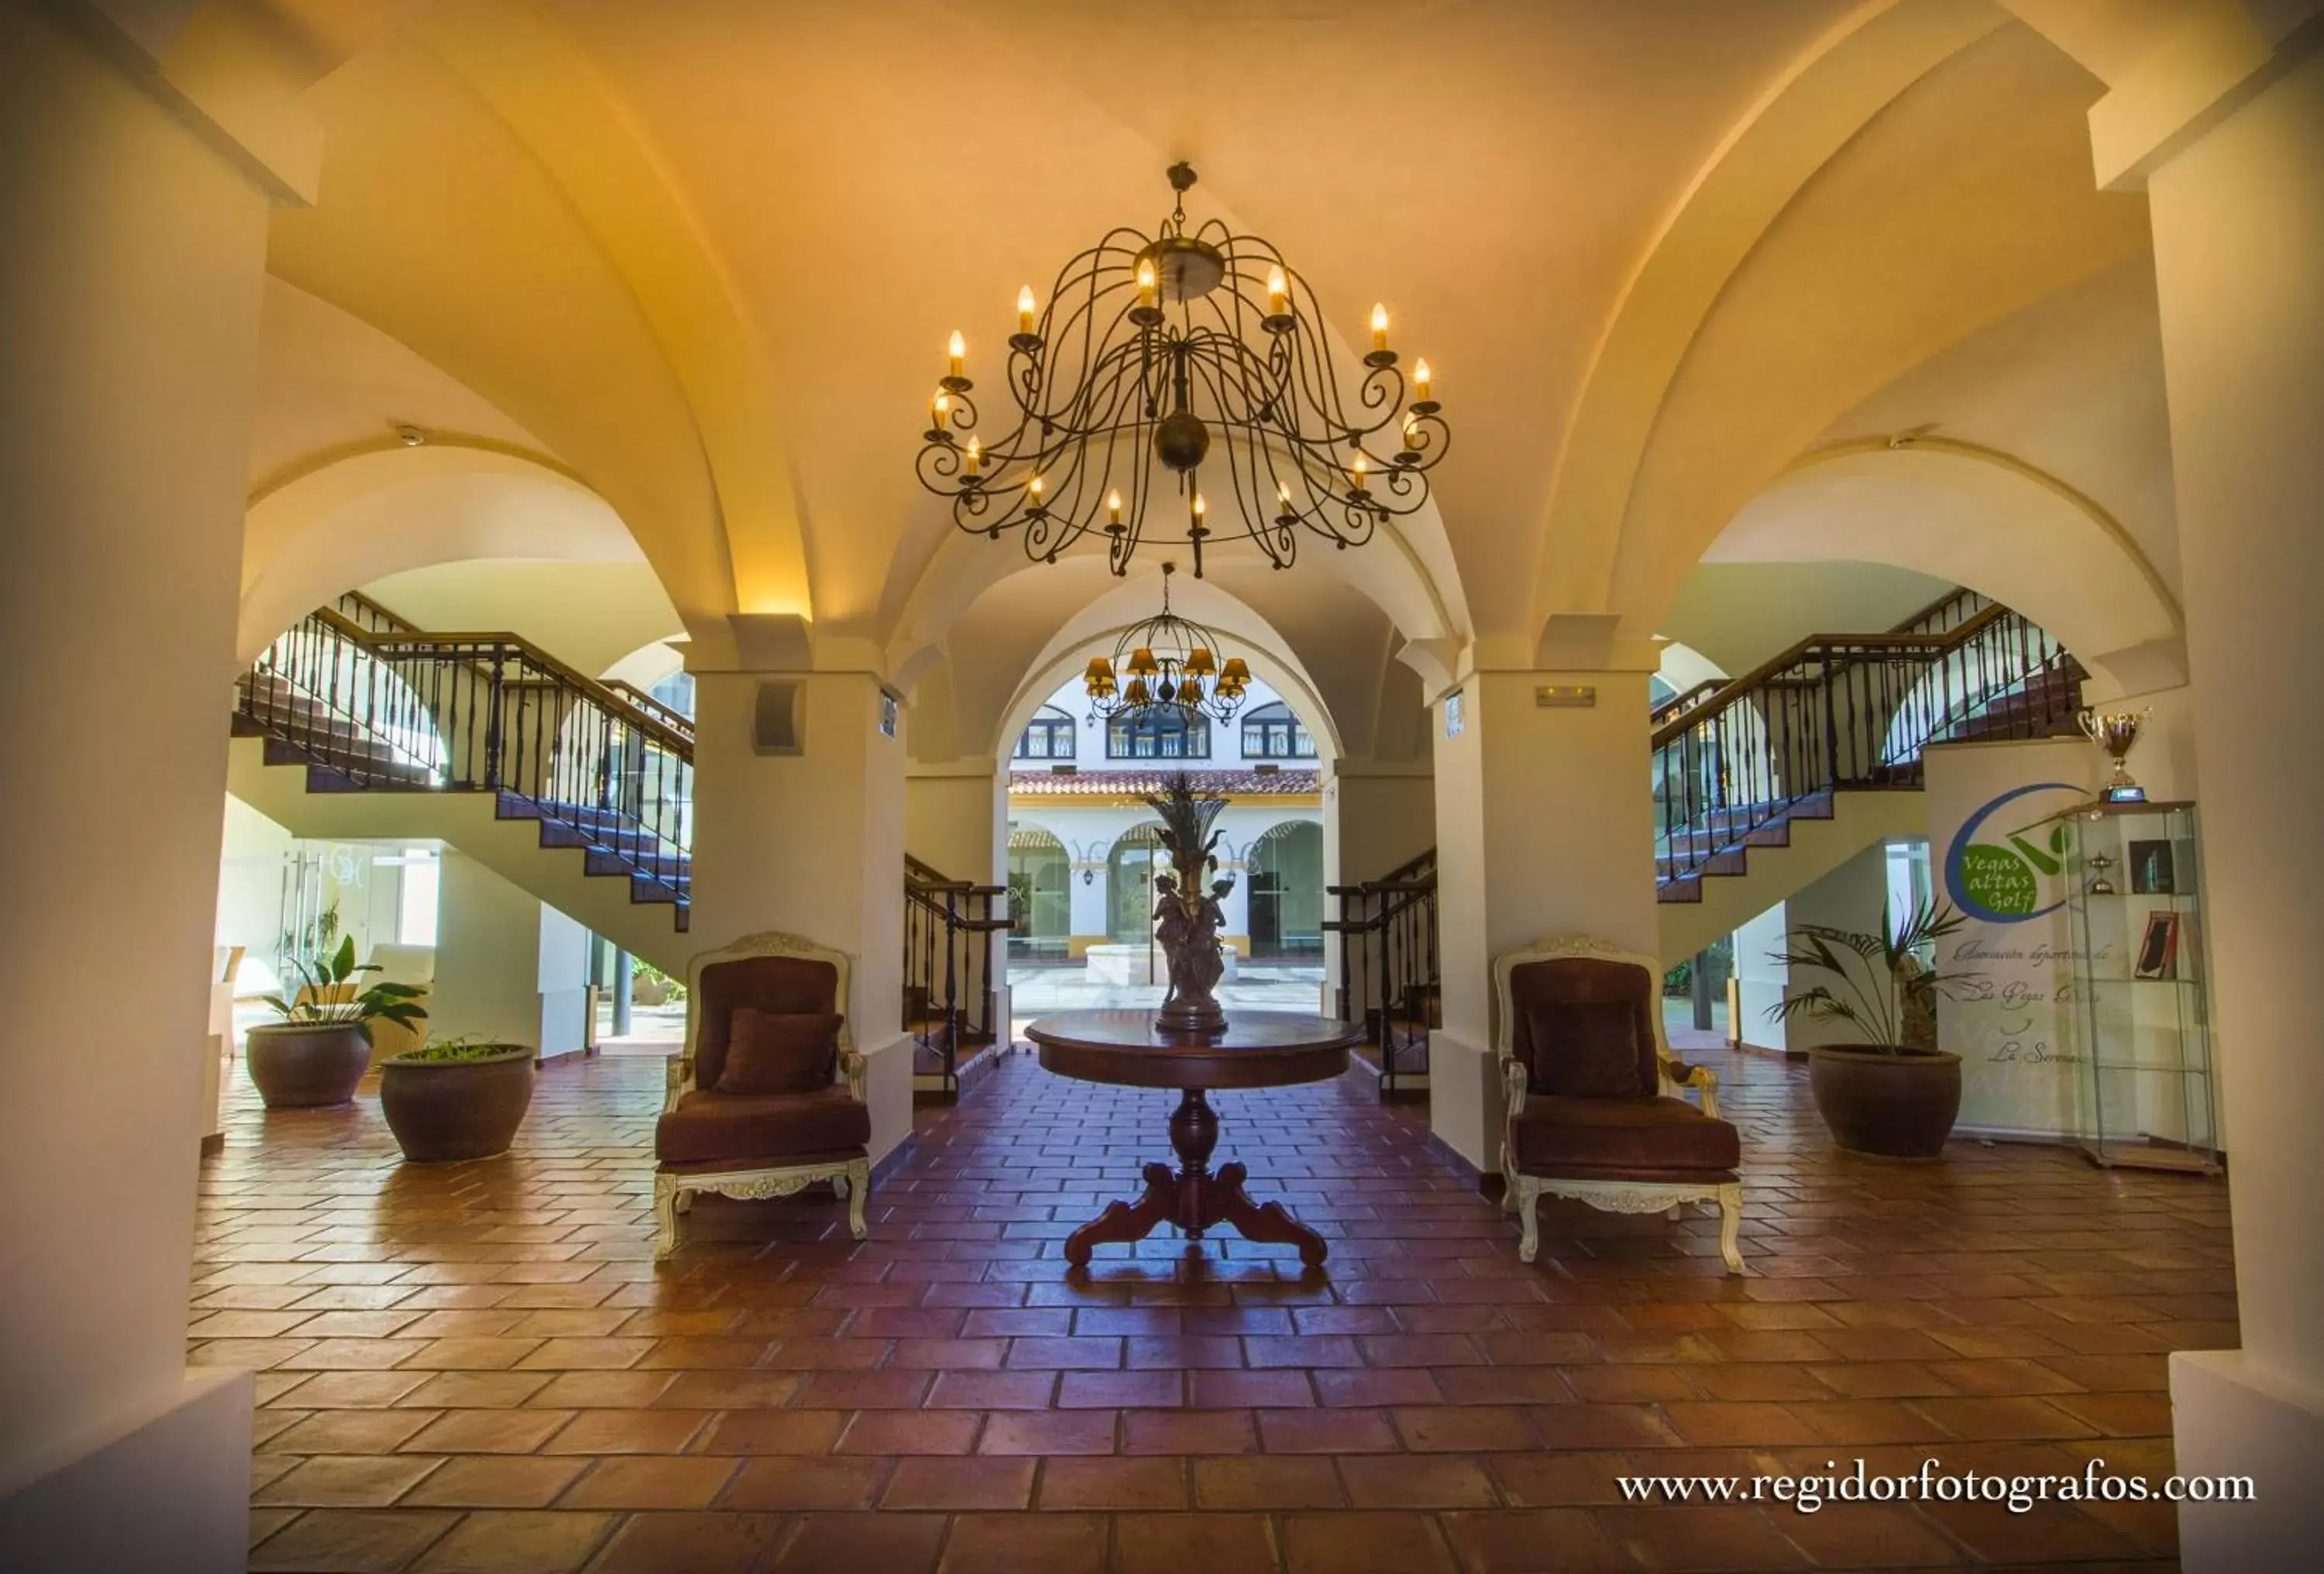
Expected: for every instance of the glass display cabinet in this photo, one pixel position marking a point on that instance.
(2136, 1014)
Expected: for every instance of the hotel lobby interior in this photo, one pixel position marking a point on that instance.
(1315, 785)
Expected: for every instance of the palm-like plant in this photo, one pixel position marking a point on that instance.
(319, 1001)
(1187, 817)
(1890, 994)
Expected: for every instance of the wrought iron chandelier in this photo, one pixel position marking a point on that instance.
(1186, 346)
(1164, 664)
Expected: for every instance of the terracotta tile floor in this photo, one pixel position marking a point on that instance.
(481, 1368)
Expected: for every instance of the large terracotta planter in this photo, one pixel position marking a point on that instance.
(1893, 1103)
(445, 1110)
(299, 1065)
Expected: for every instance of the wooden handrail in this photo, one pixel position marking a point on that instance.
(669, 737)
(1933, 645)
(645, 702)
(402, 624)
(1680, 704)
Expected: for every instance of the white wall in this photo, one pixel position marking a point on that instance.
(1761, 981)
(488, 957)
(1849, 897)
(954, 822)
(1226, 738)
(130, 286)
(563, 982)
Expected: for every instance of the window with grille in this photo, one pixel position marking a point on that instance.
(1049, 735)
(1166, 735)
(1273, 733)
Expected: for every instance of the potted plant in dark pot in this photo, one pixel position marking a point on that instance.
(1894, 1093)
(321, 1048)
(456, 1098)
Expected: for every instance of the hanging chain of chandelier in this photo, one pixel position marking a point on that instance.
(1167, 660)
(1154, 357)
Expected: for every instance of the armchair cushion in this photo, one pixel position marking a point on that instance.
(1586, 1049)
(1630, 1139)
(1576, 1021)
(783, 985)
(779, 1052)
(740, 1129)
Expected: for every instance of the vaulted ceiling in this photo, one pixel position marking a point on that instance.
(696, 261)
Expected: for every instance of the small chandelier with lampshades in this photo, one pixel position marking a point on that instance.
(1166, 662)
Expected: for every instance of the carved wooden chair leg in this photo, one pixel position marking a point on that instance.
(1730, 1226)
(1509, 1182)
(839, 1187)
(665, 1207)
(856, 1186)
(1528, 1200)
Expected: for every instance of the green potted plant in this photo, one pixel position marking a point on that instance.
(455, 1099)
(321, 1047)
(1894, 1093)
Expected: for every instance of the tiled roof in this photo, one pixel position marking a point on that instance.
(1133, 784)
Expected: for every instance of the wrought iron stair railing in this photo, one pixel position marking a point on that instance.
(1389, 969)
(370, 703)
(1844, 712)
(952, 929)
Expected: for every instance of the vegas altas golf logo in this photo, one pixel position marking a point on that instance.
(2012, 878)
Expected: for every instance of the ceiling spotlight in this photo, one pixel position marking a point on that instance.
(409, 436)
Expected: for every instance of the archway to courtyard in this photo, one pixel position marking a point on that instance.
(1040, 899)
(1130, 866)
(1285, 867)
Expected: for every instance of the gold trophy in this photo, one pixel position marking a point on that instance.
(2116, 734)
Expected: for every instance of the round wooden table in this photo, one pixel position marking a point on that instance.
(1258, 1049)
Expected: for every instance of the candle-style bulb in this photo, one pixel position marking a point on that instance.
(956, 349)
(940, 407)
(1283, 492)
(975, 455)
(1278, 291)
(1113, 506)
(1025, 309)
(1421, 377)
(1379, 327)
(1033, 489)
(1362, 468)
(1200, 507)
(1146, 281)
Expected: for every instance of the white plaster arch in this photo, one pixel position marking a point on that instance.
(1390, 572)
(374, 512)
(1806, 116)
(1094, 630)
(1982, 518)
(1683, 666)
(648, 665)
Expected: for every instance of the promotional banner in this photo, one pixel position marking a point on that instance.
(2005, 871)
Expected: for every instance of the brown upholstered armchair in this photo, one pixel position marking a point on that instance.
(1593, 1106)
(741, 1144)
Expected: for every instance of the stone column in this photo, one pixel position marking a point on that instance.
(2238, 219)
(130, 290)
(798, 802)
(1544, 825)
